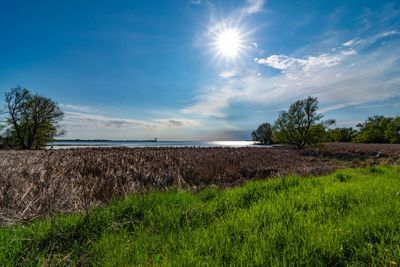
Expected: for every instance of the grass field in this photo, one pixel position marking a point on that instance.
(351, 217)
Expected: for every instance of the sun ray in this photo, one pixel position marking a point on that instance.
(229, 43)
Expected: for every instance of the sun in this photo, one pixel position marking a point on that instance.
(229, 43)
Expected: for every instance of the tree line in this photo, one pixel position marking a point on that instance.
(31, 121)
(302, 125)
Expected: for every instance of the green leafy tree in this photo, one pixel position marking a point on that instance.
(301, 125)
(341, 134)
(373, 130)
(263, 134)
(318, 134)
(392, 132)
(31, 120)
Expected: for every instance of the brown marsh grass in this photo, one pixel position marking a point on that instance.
(44, 182)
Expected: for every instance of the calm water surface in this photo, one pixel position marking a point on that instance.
(76, 144)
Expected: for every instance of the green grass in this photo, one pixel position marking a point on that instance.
(351, 217)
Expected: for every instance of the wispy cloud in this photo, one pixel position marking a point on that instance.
(176, 122)
(344, 123)
(253, 6)
(227, 74)
(87, 116)
(78, 108)
(339, 106)
(207, 3)
(282, 62)
(367, 41)
(342, 78)
(196, 2)
(250, 7)
(95, 126)
(101, 121)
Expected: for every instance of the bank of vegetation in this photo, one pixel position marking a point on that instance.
(302, 125)
(350, 217)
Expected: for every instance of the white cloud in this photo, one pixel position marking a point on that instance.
(177, 122)
(95, 126)
(253, 6)
(339, 106)
(352, 42)
(370, 40)
(227, 74)
(364, 77)
(342, 123)
(350, 52)
(101, 121)
(207, 3)
(282, 62)
(387, 33)
(78, 108)
(212, 103)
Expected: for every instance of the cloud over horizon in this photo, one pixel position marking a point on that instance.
(78, 119)
(357, 72)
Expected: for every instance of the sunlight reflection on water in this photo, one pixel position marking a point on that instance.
(82, 144)
(231, 143)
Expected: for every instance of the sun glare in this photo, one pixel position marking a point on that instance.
(229, 43)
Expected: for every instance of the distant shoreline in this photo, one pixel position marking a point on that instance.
(100, 141)
(146, 143)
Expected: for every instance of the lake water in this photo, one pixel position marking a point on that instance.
(77, 144)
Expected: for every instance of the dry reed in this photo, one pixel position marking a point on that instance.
(40, 183)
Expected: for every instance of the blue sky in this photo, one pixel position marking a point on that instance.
(143, 69)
